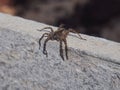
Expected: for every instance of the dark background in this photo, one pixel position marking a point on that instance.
(99, 18)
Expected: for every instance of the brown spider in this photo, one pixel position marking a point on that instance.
(59, 35)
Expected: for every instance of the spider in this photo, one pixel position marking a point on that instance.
(59, 35)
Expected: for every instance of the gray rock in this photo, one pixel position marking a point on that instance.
(24, 67)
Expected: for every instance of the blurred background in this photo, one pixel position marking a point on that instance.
(99, 18)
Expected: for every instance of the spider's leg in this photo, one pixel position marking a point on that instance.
(71, 30)
(41, 39)
(47, 28)
(61, 50)
(81, 37)
(66, 49)
(44, 47)
(61, 25)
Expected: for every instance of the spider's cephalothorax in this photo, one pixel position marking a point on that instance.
(59, 35)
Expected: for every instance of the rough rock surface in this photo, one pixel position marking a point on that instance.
(24, 67)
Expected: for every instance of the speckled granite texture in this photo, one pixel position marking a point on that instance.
(92, 65)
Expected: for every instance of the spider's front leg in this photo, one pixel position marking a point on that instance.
(71, 30)
(66, 49)
(61, 50)
(41, 39)
(47, 28)
(44, 47)
(81, 37)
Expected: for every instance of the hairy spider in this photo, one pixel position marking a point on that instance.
(59, 35)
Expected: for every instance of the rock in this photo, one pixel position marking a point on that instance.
(93, 64)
